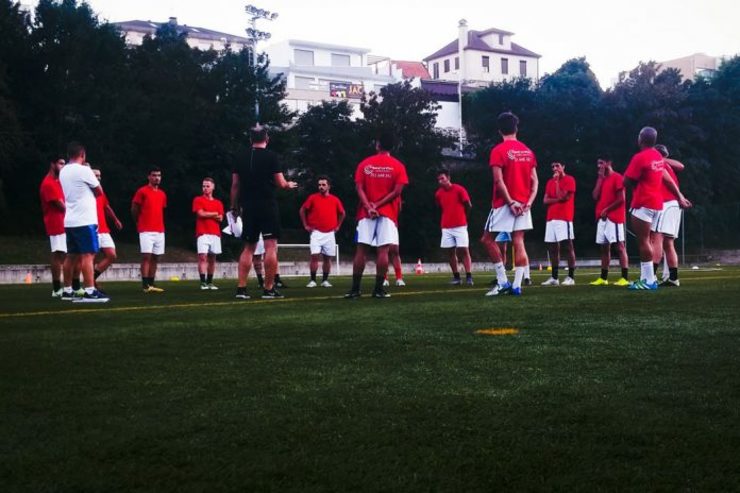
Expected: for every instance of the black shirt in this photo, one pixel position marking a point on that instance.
(256, 173)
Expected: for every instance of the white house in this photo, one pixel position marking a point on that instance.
(197, 37)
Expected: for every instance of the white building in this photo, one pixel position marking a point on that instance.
(197, 37)
(693, 65)
(481, 57)
(316, 72)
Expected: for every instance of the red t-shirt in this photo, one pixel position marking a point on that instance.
(207, 225)
(516, 162)
(646, 168)
(667, 194)
(101, 201)
(51, 191)
(152, 202)
(611, 190)
(562, 211)
(322, 213)
(452, 202)
(378, 175)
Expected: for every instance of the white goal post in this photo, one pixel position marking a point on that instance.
(337, 268)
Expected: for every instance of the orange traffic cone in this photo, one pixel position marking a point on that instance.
(419, 267)
(28, 279)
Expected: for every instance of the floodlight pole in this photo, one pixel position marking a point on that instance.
(255, 36)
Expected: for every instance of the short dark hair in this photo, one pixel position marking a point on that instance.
(154, 169)
(508, 123)
(386, 140)
(75, 150)
(443, 171)
(258, 134)
(56, 156)
(208, 178)
(605, 156)
(323, 177)
(663, 150)
(648, 136)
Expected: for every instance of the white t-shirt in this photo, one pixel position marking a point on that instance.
(78, 182)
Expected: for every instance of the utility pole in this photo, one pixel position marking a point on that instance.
(255, 35)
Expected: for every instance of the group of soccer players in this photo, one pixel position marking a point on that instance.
(76, 213)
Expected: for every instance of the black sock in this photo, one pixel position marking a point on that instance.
(356, 281)
(324, 276)
(241, 290)
(655, 268)
(456, 275)
(97, 274)
(209, 279)
(56, 285)
(673, 273)
(202, 278)
(277, 278)
(468, 275)
(144, 281)
(554, 271)
(625, 273)
(313, 275)
(379, 280)
(76, 284)
(604, 273)
(150, 281)
(260, 279)
(572, 272)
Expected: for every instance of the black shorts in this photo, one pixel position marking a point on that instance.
(260, 218)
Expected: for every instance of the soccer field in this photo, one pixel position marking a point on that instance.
(596, 389)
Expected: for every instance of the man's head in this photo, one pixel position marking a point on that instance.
(97, 174)
(663, 150)
(155, 176)
(558, 168)
(443, 178)
(385, 142)
(324, 184)
(508, 123)
(56, 163)
(647, 138)
(258, 135)
(604, 163)
(208, 186)
(76, 152)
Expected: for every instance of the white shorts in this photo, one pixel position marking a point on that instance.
(608, 232)
(645, 214)
(260, 248)
(557, 230)
(58, 243)
(668, 221)
(455, 237)
(151, 243)
(208, 244)
(379, 231)
(323, 243)
(105, 240)
(501, 219)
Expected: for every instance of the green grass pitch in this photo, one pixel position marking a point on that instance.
(600, 389)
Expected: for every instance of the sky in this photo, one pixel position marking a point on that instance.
(613, 36)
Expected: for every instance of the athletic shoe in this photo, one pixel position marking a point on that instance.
(271, 294)
(311, 284)
(622, 282)
(352, 295)
(551, 282)
(380, 294)
(599, 282)
(94, 297)
(400, 283)
(568, 281)
(326, 284)
(643, 286)
(527, 281)
(469, 281)
(500, 289)
(516, 291)
(203, 286)
(79, 293)
(57, 294)
(153, 289)
(242, 295)
(455, 281)
(280, 284)
(670, 284)
(386, 283)
(212, 287)
(67, 295)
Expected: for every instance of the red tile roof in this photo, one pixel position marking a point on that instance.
(412, 69)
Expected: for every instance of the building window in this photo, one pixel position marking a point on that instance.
(504, 66)
(486, 63)
(501, 39)
(303, 82)
(435, 70)
(457, 63)
(447, 66)
(339, 60)
(523, 68)
(303, 57)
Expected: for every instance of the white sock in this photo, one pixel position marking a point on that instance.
(526, 272)
(518, 276)
(646, 272)
(500, 273)
(90, 290)
(666, 270)
(67, 289)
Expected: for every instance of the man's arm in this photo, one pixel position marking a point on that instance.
(676, 165)
(392, 195)
(97, 191)
(468, 206)
(281, 182)
(109, 212)
(203, 214)
(668, 182)
(58, 205)
(533, 192)
(135, 211)
(597, 188)
(234, 195)
(363, 199)
(340, 220)
(617, 203)
(304, 219)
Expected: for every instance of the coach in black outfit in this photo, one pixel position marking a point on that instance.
(253, 183)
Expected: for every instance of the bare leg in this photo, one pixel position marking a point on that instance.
(326, 267)
(492, 249)
(245, 264)
(57, 265)
(656, 241)
(467, 262)
(109, 256)
(271, 263)
(86, 267)
(453, 262)
(606, 256)
(202, 263)
(554, 249)
(153, 266)
(211, 264)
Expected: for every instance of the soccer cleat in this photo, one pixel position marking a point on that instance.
(568, 281)
(599, 282)
(386, 283)
(670, 284)
(280, 284)
(94, 297)
(311, 284)
(79, 293)
(400, 283)
(516, 291)
(380, 294)
(212, 287)
(271, 294)
(203, 286)
(242, 295)
(642, 285)
(500, 289)
(57, 294)
(527, 281)
(455, 281)
(551, 282)
(469, 281)
(326, 284)
(67, 295)
(153, 289)
(352, 295)
(622, 282)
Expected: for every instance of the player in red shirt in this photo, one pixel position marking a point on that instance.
(105, 240)
(209, 213)
(322, 214)
(379, 181)
(52, 207)
(645, 174)
(454, 202)
(147, 208)
(610, 216)
(514, 190)
(560, 197)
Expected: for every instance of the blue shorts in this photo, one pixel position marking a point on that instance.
(83, 239)
(503, 237)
